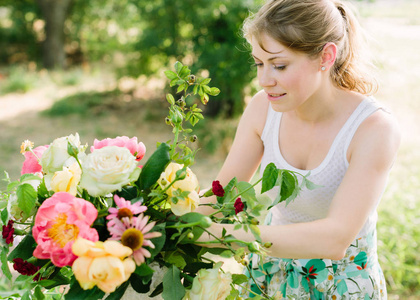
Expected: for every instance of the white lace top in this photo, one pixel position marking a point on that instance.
(314, 204)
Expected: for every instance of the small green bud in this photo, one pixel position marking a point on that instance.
(190, 235)
(268, 245)
(193, 138)
(176, 117)
(206, 222)
(180, 102)
(255, 222)
(191, 79)
(254, 247)
(167, 121)
(245, 261)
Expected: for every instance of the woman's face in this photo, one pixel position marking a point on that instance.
(289, 78)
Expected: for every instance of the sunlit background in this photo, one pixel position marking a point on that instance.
(98, 71)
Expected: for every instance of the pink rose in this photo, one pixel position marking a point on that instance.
(31, 164)
(137, 149)
(60, 220)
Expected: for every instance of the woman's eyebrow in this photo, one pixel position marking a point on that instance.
(271, 58)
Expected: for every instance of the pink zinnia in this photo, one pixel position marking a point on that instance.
(134, 233)
(125, 209)
(31, 164)
(60, 220)
(136, 148)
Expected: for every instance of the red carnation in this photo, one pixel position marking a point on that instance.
(239, 206)
(217, 188)
(8, 232)
(25, 268)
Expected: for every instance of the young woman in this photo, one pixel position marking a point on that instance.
(315, 113)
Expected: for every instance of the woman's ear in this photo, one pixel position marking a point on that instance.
(328, 56)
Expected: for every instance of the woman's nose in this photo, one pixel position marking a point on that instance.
(265, 78)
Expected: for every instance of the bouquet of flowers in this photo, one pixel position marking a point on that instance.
(92, 222)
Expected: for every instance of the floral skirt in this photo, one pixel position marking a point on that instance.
(357, 276)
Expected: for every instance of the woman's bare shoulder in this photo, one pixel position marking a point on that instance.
(255, 112)
(379, 135)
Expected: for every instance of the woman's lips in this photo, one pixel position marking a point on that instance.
(273, 97)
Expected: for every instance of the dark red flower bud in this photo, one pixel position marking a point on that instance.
(239, 206)
(8, 232)
(26, 268)
(217, 188)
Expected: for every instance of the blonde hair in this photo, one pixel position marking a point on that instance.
(307, 26)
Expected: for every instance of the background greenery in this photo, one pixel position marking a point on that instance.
(112, 85)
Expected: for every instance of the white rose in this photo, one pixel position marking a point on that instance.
(108, 169)
(210, 284)
(56, 156)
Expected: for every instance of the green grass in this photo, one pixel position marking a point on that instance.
(18, 79)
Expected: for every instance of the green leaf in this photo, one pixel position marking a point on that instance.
(4, 265)
(171, 75)
(158, 290)
(178, 66)
(309, 184)
(239, 278)
(288, 184)
(119, 292)
(26, 296)
(12, 185)
(154, 167)
(247, 192)
(76, 292)
(26, 197)
(4, 216)
(24, 249)
(205, 81)
(26, 177)
(269, 177)
(38, 293)
(144, 270)
(159, 242)
(172, 286)
(185, 72)
(214, 91)
(175, 258)
(137, 284)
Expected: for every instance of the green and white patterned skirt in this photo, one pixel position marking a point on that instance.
(357, 276)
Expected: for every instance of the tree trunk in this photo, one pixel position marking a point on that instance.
(55, 14)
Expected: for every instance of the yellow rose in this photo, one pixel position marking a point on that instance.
(67, 180)
(186, 205)
(102, 263)
(189, 183)
(210, 284)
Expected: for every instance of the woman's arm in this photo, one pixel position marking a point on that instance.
(245, 154)
(372, 153)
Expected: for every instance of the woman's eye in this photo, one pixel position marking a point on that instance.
(279, 67)
(257, 65)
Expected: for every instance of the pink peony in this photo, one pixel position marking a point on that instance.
(125, 209)
(59, 221)
(31, 164)
(137, 149)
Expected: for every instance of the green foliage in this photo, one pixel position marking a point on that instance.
(209, 34)
(18, 79)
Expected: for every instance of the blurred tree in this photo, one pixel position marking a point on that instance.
(206, 34)
(54, 13)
